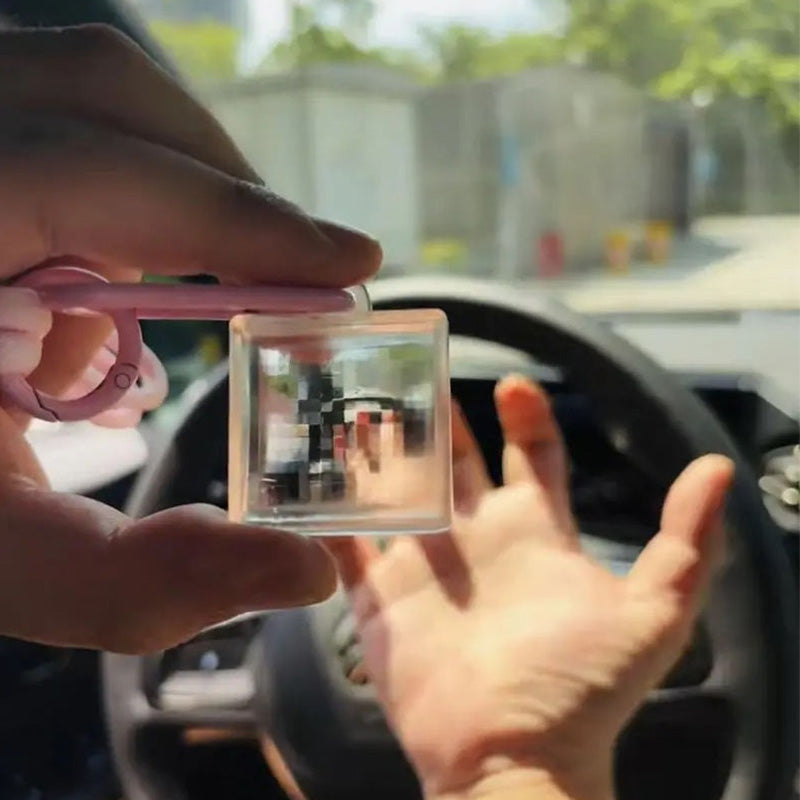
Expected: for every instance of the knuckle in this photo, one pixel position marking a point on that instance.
(87, 52)
(98, 40)
(28, 134)
(101, 57)
(521, 501)
(242, 196)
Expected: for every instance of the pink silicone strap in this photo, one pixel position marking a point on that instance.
(67, 288)
(155, 301)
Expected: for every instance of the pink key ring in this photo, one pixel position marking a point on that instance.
(71, 289)
(147, 394)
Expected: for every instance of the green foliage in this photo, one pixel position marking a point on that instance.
(459, 52)
(205, 51)
(316, 44)
(455, 50)
(673, 49)
(444, 253)
(334, 31)
(712, 49)
(313, 40)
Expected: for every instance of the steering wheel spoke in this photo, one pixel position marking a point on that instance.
(201, 691)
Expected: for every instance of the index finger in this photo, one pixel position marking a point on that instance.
(97, 74)
(130, 206)
(75, 188)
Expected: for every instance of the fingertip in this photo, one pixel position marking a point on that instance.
(307, 568)
(321, 577)
(359, 255)
(688, 548)
(340, 547)
(524, 411)
(517, 392)
(353, 557)
(698, 494)
(723, 469)
(117, 418)
(515, 382)
(20, 353)
(22, 310)
(252, 567)
(713, 467)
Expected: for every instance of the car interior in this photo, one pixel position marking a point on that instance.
(206, 719)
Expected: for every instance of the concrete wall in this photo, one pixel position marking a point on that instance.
(271, 130)
(492, 164)
(504, 160)
(340, 142)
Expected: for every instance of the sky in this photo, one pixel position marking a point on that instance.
(397, 20)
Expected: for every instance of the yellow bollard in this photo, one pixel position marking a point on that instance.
(618, 251)
(658, 240)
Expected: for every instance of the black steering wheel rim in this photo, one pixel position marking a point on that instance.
(757, 583)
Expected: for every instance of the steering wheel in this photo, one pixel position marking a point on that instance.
(736, 721)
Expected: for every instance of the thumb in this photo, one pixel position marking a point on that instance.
(74, 572)
(680, 557)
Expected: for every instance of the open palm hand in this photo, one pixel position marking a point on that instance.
(503, 654)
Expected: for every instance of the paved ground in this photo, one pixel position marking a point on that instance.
(727, 264)
(727, 302)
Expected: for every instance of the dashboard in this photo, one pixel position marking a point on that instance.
(52, 740)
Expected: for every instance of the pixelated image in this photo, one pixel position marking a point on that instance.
(347, 426)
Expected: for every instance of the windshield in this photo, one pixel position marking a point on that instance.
(528, 140)
(629, 156)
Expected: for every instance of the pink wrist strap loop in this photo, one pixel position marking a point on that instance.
(120, 378)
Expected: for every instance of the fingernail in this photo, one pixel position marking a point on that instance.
(296, 571)
(20, 353)
(362, 250)
(22, 295)
(21, 309)
(319, 572)
(214, 513)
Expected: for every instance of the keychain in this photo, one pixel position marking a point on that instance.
(76, 290)
(339, 418)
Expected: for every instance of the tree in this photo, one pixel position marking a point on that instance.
(455, 50)
(701, 50)
(459, 52)
(333, 31)
(205, 51)
(712, 49)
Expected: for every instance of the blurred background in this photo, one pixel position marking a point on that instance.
(629, 157)
(535, 139)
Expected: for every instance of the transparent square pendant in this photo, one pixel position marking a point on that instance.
(340, 423)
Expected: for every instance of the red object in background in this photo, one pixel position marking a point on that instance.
(362, 430)
(339, 443)
(551, 255)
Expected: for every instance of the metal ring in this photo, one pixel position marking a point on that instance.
(118, 380)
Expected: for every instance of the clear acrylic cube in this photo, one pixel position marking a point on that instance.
(340, 423)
